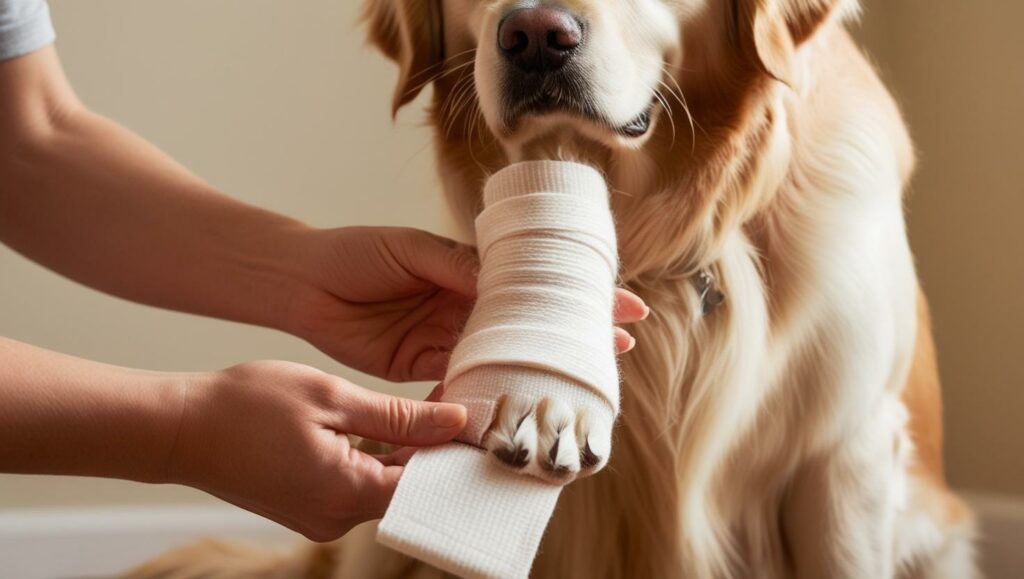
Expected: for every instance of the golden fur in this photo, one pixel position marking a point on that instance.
(796, 432)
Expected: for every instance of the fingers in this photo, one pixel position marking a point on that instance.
(378, 486)
(436, 394)
(624, 342)
(629, 308)
(440, 261)
(376, 489)
(431, 365)
(398, 420)
(399, 457)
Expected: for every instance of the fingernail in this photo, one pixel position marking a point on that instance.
(632, 343)
(647, 312)
(448, 415)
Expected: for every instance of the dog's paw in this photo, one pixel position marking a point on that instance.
(548, 438)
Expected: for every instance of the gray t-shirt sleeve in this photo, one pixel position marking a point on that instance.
(24, 27)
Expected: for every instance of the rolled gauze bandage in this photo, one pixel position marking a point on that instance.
(536, 369)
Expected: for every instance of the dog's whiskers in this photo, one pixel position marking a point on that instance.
(454, 97)
(680, 97)
(443, 73)
(462, 96)
(668, 111)
(442, 64)
(455, 94)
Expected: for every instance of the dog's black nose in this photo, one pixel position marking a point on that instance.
(539, 39)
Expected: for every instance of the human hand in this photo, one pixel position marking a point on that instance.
(392, 302)
(271, 437)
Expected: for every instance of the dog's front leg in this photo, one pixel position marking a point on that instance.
(839, 513)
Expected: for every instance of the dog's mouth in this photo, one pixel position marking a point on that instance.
(568, 99)
(636, 128)
(640, 125)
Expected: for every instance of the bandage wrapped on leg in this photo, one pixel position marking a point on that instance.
(536, 363)
(536, 369)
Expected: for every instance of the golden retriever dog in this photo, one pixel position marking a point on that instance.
(781, 415)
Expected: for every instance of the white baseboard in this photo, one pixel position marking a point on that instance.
(97, 542)
(63, 543)
(1001, 536)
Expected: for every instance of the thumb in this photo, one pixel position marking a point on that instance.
(402, 421)
(442, 262)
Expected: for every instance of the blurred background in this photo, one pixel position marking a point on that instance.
(280, 104)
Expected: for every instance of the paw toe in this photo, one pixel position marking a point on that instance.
(558, 437)
(548, 438)
(595, 441)
(513, 435)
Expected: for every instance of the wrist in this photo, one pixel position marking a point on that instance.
(274, 275)
(159, 416)
(299, 263)
(186, 448)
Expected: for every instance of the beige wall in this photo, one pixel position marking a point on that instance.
(276, 103)
(957, 68)
(279, 104)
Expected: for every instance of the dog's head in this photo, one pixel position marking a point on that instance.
(679, 80)
(601, 68)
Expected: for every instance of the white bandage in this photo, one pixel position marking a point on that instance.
(541, 330)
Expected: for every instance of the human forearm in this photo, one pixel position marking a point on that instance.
(64, 415)
(270, 437)
(91, 200)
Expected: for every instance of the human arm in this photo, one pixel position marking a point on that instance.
(267, 436)
(92, 201)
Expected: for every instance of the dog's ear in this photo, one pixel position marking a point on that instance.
(411, 33)
(770, 31)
